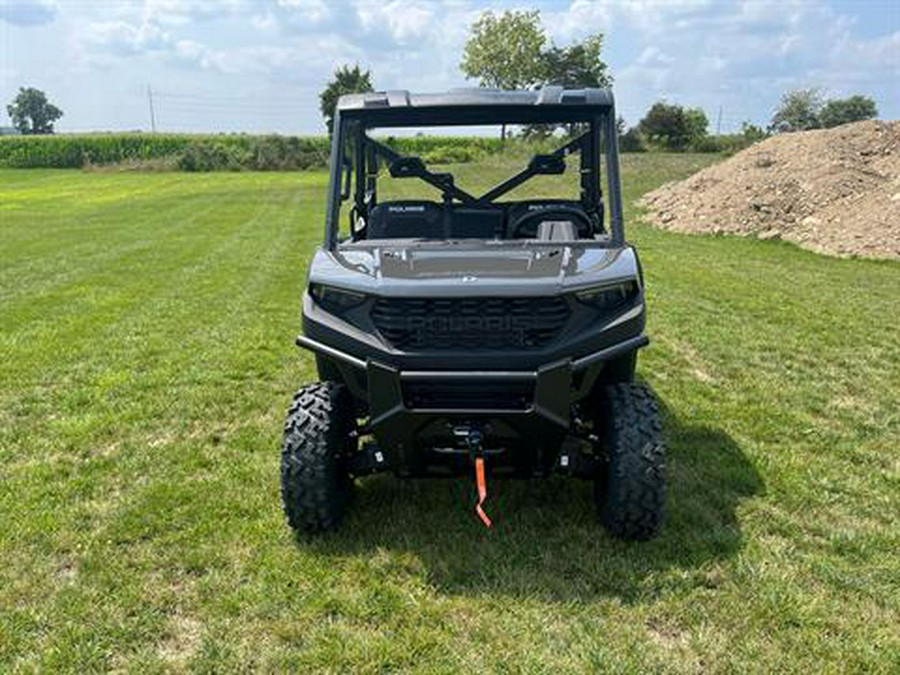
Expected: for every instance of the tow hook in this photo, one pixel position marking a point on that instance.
(472, 438)
(370, 459)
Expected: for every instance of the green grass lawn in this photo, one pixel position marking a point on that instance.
(147, 358)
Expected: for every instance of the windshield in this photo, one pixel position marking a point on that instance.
(536, 182)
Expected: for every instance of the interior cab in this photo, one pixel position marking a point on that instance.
(444, 206)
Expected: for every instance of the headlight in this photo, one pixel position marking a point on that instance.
(610, 296)
(335, 300)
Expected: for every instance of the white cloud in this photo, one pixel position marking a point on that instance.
(881, 52)
(582, 17)
(404, 21)
(653, 57)
(28, 12)
(299, 17)
(282, 63)
(312, 11)
(121, 37)
(181, 12)
(652, 17)
(193, 53)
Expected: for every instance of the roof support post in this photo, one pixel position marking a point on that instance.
(614, 188)
(333, 207)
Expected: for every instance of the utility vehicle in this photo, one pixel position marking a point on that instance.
(470, 332)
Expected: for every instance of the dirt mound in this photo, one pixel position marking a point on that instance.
(833, 191)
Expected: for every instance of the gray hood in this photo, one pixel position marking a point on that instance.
(471, 268)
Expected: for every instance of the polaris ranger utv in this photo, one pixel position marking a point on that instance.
(470, 333)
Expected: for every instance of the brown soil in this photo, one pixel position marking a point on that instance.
(833, 191)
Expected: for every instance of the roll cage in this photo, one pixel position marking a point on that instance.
(356, 157)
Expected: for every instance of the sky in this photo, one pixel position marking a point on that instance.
(259, 65)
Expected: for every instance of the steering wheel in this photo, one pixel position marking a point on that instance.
(522, 226)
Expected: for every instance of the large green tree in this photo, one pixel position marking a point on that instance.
(504, 52)
(509, 52)
(577, 66)
(673, 126)
(346, 80)
(32, 113)
(843, 110)
(798, 110)
(574, 67)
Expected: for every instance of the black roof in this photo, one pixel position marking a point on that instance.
(476, 106)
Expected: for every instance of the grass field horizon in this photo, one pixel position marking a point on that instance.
(147, 360)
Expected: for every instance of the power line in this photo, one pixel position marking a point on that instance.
(259, 108)
(218, 98)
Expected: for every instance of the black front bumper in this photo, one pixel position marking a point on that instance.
(536, 416)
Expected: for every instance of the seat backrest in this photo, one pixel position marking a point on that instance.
(475, 222)
(406, 220)
(518, 209)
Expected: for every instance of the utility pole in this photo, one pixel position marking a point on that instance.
(152, 114)
(719, 122)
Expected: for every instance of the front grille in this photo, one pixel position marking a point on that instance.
(469, 323)
(479, 395)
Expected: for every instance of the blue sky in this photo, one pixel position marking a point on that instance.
(258, 65)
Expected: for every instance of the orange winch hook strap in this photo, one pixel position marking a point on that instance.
(482, 491)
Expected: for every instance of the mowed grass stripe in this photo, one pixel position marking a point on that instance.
(784, 365)
(748, 345)
(100, 237)
(92, 236)
(224, 313)
(130, 353)
(129, 219)
(137, 284)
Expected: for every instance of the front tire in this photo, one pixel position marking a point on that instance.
(630, 493)
(315, 482)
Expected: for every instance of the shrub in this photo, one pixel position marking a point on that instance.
(709, 144)
(207, 155)
(287, 153)
(632, 141)
(450, 154)
(672, 126)
(477, 146)
(215, 152)
(844, 110)
(798, 111)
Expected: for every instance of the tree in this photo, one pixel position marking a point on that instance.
(507, 52)
(673, 126)
(798, 111)
(696, 123)
(32, 113)
(577, 66)
(504, 52)
(630, 139)
(752, 133)
(843, 110)
(574, 67)
(346, 81)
